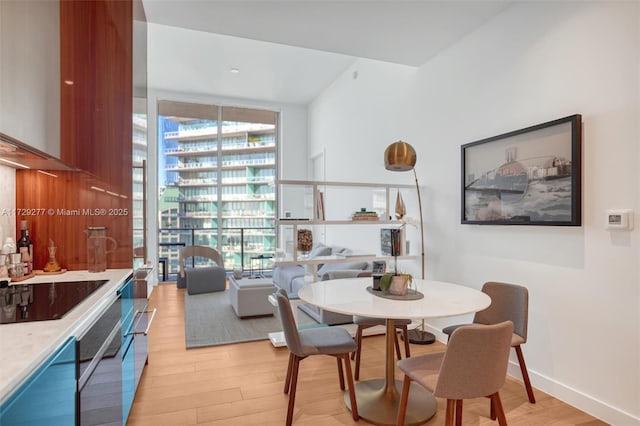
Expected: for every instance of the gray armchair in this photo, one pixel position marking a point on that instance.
(204, 279)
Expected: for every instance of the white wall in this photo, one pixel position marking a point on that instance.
(533, 63)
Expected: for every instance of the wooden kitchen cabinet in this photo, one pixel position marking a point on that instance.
(96, 97)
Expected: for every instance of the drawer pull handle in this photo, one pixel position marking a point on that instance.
(153, 315)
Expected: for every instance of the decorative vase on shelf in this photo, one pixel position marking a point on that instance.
(305, 241)
(401, 210)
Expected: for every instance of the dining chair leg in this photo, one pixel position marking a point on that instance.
(497, 403)
(340, 373)
(450, 412)
(287, 380)
(397, 345)
(404, 399)
(352, 387)
(492, 409)
(525, 375)
(358, 352)
(459, 412)
(292, 394)
(405, 336)
(358, 341)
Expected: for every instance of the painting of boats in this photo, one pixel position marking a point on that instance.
(524, 177)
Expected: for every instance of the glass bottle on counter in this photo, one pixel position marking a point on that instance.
(25, 247)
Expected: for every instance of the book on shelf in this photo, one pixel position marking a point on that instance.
(392, 241)
(320, 206)
(364, 214)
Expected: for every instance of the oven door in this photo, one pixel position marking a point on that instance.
(100, 355)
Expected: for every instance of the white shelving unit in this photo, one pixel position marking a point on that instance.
(339, 201)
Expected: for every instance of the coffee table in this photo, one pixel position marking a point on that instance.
(249, 296)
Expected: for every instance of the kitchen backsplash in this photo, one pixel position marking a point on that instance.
(7, 203)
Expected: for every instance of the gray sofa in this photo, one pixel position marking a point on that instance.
(293, 278)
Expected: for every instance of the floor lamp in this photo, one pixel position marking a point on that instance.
(400, 157)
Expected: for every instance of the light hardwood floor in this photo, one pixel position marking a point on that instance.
(242, 384)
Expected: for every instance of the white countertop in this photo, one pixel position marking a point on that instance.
(24, 346)
(350, 296)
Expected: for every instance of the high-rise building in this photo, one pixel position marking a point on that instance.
(138, 191)
(224, 177)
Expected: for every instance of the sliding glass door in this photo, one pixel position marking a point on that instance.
(216, 169)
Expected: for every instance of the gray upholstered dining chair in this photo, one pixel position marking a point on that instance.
(202, 279)
(333, 341)
(509, 302)
(473, 365)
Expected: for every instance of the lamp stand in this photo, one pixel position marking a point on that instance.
(421, 337)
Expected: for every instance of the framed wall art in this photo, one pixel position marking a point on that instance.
(530, 176)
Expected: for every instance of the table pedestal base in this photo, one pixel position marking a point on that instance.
(378, 403)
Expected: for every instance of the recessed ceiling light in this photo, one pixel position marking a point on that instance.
(234, 71)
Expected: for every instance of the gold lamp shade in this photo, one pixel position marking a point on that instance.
(399, 157)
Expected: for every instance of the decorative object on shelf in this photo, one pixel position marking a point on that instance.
(391, 241)
(401, 210)
(365, 214)
(320, 206)
(305, 241)
(530, 176)
(401, 157)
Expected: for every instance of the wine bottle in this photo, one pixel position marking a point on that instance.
(25, 247)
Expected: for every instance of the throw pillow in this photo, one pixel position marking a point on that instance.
(320, 250)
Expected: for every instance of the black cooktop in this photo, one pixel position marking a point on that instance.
(46, 301)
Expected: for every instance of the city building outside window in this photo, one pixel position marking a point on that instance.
(216, 171)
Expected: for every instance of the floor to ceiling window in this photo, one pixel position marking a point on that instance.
(216, 171)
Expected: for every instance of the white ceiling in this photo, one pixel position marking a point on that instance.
(402, 32)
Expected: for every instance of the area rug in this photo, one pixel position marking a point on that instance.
(210, 320)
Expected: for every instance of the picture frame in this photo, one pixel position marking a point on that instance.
(531, 176)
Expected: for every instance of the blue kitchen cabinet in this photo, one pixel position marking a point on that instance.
(48, 396)
(128, 349)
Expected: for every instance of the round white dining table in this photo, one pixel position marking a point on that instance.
(378, 399)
